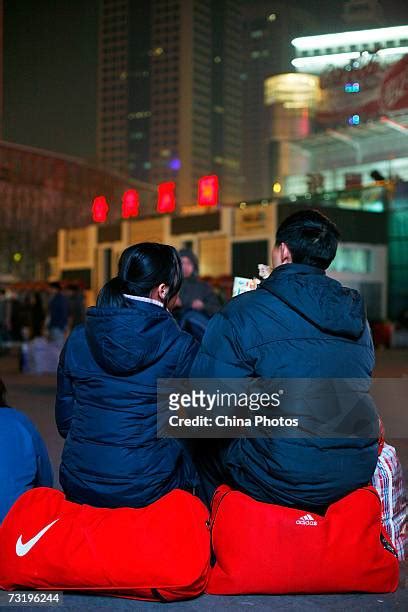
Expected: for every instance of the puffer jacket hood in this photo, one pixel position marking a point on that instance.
(321, 300)
(127, 340)
(107, 407)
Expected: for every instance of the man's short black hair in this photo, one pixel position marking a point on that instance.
(311, 238)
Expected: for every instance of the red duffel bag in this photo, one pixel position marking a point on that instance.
(270, 549)
(160, 552)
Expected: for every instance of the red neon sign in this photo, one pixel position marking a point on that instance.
(100, 209)
(166, 200)
(208, 190)
(130, 204)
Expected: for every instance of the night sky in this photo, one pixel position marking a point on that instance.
(50, 62)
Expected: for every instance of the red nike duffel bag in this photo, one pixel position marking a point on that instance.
(270, 549)
(160, 552)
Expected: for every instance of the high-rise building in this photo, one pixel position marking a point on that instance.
(170, 97)
(113, 85)
(269, 28)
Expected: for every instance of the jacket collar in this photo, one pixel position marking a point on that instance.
(147, 300)
(294, 268)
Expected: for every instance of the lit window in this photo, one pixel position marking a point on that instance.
(354, 260)
(157, 51)
(139, 115)
(272, 17)
(136, 136)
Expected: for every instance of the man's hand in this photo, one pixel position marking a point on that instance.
(197, 305)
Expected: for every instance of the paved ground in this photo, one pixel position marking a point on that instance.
(35, 396)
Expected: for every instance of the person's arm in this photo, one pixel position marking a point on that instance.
(64, 403)
(220, 354)
(44, 476)
(186, 358)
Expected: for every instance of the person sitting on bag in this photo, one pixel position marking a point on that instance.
(299, 323)
(106, 400)
(24, 461)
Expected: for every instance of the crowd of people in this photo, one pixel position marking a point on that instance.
(38, 323)
(156, 319)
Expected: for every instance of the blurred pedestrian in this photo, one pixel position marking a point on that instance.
(26, 315)
(15, 316)
(3, 317)
(37, 314)
(24, 461)
(58, 314)
(76, 306)
(197, 300)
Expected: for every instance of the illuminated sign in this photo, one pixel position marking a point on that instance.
(130, 204)
(100, 209)
(166, 200)
(208, 188)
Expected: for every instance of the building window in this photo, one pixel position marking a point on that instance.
(354, 260)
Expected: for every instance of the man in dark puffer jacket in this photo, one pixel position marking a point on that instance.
(301, 324)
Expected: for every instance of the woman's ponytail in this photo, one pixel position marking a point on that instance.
(111, 294)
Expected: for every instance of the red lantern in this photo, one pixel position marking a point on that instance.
(100, 209)
(130, 204)
(166, 201)
(208, 190)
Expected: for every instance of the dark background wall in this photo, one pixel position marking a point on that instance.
(354, 225)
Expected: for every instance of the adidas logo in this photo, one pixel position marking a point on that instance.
(307, 519)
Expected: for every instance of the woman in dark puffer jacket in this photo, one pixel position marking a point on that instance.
(106, 398)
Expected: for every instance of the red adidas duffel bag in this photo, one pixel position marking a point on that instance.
(270, 549)
(160, 552)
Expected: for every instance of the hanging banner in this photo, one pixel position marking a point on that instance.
(394, 90)
(362, 93)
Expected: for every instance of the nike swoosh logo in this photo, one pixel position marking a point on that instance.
(23, 549)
